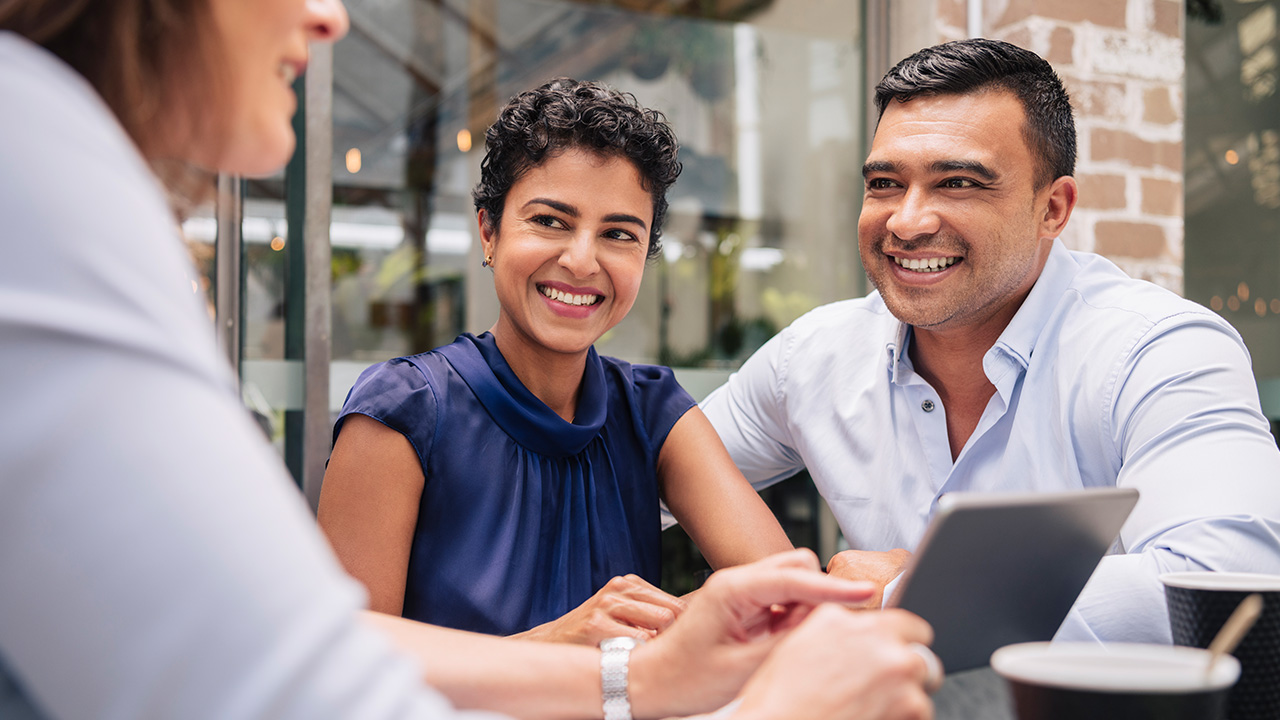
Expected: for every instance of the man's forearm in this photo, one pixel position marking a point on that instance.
(1123, 602)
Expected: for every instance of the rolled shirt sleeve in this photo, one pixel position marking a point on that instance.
(750, 415)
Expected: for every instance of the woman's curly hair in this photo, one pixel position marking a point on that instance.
(565, 114)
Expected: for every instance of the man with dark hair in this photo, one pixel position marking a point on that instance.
(991, 358)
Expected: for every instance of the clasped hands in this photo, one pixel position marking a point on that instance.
(629, 605)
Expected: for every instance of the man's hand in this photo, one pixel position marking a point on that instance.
(626, 605)
(875, 567)
(844, 664)
(702, 661)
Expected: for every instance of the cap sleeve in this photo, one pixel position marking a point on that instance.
(400, 395)
(661, 401)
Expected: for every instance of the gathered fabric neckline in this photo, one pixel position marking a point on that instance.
(528, 420)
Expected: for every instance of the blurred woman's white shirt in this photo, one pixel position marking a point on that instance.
(156, 560)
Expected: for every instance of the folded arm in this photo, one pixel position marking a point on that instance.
(1187, 426)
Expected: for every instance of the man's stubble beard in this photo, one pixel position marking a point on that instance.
(902, 310)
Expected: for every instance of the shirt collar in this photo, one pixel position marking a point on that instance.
(1019, 338)
(898, 334)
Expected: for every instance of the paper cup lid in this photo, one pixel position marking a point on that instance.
(1115, 667)
(1232, 581)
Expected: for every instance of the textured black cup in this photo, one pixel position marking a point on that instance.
(1038, 702)
(1199, 605)
(1087, 681)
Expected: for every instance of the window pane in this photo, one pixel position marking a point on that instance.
(1233, 175)
(766, 99)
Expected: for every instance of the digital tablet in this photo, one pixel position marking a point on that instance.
(1001, 568)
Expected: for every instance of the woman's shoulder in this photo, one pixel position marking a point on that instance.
(408, 394)
(392, 380)
(101, 252)
(651, 390)
(643, 377)
(63, 128)
(75, 184)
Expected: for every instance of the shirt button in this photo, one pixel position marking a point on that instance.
(927, 406)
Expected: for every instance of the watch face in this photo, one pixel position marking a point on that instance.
(619, 643)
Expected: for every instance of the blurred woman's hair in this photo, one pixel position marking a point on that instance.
(152, 61)
(570, 114)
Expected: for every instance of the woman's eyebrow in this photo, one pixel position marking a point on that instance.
(625, 218)
(572, 211)
(563, 207)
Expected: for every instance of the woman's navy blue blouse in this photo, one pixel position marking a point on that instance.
(523, 515)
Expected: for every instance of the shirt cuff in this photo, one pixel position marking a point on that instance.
(889, 590)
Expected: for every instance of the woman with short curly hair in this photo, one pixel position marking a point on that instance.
(510, 482)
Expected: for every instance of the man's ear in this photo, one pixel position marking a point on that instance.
(1063, 194)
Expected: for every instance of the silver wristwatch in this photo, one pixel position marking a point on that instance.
(615, 654)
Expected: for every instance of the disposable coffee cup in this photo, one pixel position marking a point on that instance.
(1119, 681)
(1199, 605)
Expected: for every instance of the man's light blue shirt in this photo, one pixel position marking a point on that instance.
(1100, 380)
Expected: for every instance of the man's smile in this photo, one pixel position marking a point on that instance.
(933, 264)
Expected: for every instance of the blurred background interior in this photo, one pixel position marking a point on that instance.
(366, 247)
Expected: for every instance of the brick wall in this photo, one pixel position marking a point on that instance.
(1122, 62)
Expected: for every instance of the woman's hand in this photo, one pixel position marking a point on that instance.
(845, 664)
(626, 606)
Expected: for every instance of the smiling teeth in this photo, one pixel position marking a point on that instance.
(568, 299)
(288, 73)
(927, 264)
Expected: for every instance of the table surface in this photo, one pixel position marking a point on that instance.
(978, 694)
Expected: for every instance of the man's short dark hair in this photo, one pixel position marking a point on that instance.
(569, 114)
(976, 65)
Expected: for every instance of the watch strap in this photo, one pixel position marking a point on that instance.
(615, 658)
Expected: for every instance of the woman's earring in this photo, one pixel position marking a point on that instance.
(488, 261)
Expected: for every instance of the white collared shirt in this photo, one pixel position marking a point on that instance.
(1100, 380)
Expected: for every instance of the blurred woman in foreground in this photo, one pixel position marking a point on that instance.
(155, 560)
